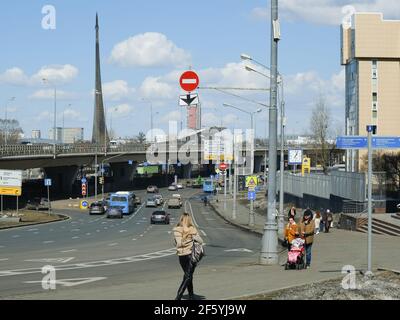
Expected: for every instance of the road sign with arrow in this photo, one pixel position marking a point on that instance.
(189, 99)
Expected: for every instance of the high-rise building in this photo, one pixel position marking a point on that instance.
(371, 54)
(36, 134)
(67, 135)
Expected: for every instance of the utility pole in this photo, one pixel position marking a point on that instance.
(269, 250)
(282, 164)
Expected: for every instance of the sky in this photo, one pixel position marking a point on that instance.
(146, 45)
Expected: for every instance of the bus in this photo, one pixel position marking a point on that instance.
(209, 186)
(124, 200)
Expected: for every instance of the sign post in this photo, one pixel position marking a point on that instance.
(371, 130)
(251, 184)
(10, 184)
(47, 183)
(189, 81)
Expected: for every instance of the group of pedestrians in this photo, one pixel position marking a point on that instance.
(309, 225)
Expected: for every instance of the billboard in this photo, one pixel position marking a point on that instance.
(148, 170)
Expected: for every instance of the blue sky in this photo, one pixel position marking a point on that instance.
(145, 45)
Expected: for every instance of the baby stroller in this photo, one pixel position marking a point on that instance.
(296, 255)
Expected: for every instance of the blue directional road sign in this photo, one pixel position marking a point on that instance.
(386, 142)
(358, 142)
(83, 180)
(130, 162)
(251, 195)
(351, 142)
(47, 182)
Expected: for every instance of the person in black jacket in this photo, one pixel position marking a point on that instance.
(292, 213)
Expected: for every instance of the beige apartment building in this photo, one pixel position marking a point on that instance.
(371, 55)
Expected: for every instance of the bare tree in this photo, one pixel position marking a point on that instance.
(320, 130)
(141, 138)
(10, 131)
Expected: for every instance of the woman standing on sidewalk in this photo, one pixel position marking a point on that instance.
(307, 229)
(291, 231)
(317, 221)
(184, 235)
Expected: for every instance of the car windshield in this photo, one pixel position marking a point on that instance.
(118, 199)
(151, 199)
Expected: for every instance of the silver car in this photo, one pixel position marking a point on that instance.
(159, 199)
(114, 212)
(151, 202)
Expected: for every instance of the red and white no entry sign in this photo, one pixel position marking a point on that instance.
(189, 81)
(223, 166)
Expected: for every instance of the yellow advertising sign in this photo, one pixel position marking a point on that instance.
(10, 191)
(306, 166)
(251, 181)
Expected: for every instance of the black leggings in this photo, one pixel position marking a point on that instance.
(187, 282)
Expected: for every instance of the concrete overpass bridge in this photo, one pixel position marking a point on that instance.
(62, 162)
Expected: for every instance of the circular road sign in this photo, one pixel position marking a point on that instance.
(223, 166)
(189, 81)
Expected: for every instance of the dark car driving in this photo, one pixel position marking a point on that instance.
(159, 216)
(38, 204)
(97, 208)
(114, 212)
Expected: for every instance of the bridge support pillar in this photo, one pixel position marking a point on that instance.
(123, 174)
(258, 161)
(187, 171)
(63, 179)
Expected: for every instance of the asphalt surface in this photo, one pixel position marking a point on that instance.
(100, 258)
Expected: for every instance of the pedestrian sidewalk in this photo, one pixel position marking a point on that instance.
(331, 251)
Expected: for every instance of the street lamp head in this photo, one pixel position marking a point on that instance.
(244, 56)
(227, 105)
(248, 68)
(259, 110)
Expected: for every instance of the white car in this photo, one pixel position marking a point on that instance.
(179, 186)
(178, 196)
(172, 187)
(159, 199)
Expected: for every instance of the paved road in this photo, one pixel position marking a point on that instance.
(99, 258)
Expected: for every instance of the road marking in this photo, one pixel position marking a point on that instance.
(134, 239)
(72, 250)
(203, 212)
(2, 247)
(113, 244)
(16, 236)
(32, 230)
(97, 230)
(72, 282)
(36, 232)
(49, 241)
(88, 234)
(238, 250)
(52, 260)
(93, 264)
(122, 231)
(4, 259)
(105, 228)
(76, 237)
(75, 230)
(104, 222)
(204, 234)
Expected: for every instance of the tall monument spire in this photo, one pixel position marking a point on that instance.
(99, 135)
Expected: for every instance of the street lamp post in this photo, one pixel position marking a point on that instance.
(45, 80)
(151, 118)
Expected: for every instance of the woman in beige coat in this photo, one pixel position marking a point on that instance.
(184, 235)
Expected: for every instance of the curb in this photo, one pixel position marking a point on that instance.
(61, 218)
(240, 226)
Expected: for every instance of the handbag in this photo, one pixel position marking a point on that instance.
(197, 252)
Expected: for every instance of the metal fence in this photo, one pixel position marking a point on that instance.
(341, 184)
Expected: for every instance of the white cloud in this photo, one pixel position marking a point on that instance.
(117, 90)
(45, 115)
(150, 49)
(171, 116)
(121, 110)
(156, 88)
(71, 114)
(328, 12)
(57, 74)
(46, 94)
(14, 76)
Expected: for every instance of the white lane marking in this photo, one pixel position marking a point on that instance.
(192, 214)
(238, 250)
(16, 236)
(113, 244)
(122, 231)
(134, 239)
(75, 230)
(93, 264)
(36, 232)
(97, 230)
(49, 241)
(72, 282)
(52, 260)
(133, 214)
(72, 250)
(104, 222)
(205, 212)
(105, 228)
(4, 259)
(88, 234)
(204, 234)
(210, 219)
(76, 237)
(32, 230)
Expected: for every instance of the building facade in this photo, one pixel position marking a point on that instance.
(370, 52)
(67, 135)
